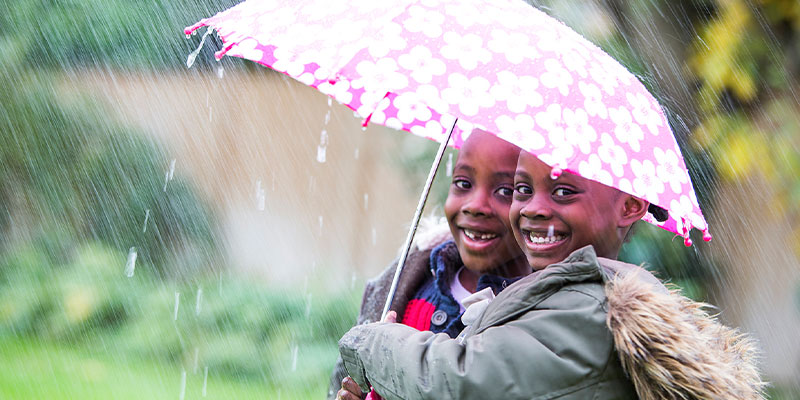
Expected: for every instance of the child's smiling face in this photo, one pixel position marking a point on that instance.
(478, 203)
(551, 218)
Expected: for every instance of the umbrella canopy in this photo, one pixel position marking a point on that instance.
(502, 66)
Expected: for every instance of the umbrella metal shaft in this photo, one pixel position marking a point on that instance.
(415, 222)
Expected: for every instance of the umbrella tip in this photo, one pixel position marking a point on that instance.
(555, 173)
(687, 242)
(706, 235)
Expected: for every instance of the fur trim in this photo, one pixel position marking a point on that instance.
(431, 232)
(673, 349)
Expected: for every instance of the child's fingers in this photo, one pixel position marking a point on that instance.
(391, 316)
(345, 395)
(350, 387)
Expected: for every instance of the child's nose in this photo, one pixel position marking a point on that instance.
(477, 204)
(538, 207)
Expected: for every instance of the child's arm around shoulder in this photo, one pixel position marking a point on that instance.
(559, 347)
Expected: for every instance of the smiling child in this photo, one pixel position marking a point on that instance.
(582, 326)
(480, 250)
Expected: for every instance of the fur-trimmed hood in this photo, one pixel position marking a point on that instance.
(672, 348)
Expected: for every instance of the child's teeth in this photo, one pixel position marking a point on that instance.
(479, 236)
(545, 239)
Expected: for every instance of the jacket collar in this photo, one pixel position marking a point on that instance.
(580, 266)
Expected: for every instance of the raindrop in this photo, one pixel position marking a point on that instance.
(220, 71)
(328, 114)
(130, 266)
(550, 231)
(330, 102)
(355, 154)
(183, 384)
(294, 358)
(320, 224)
(146, 217)
(171, 169)
(449, 167)
(353, 281)
(177, 304)
(322, 147)
(261, 197)
(366, 201)
(198, 301)
(166, 180)
(205, 380)
(193, 55)
(308, 305)
(374, 236)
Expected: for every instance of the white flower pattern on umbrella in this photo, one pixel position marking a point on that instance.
(556, 76)
(422, 64)
(432, 129)
(552, 121)
(288, 62)
(381, 75)
(579, 131)
(432, 97)
(521, 127)
(575, 62)
(514, 46)
(612, 154)
(643, 112)
(592, 100)
(464, 16)
(626, 131)
(389, 38)
(467, 49)
(469, 94)
(410, 108)
(681, 206)
(248, 49)
(669, 169)
(601, 77)
(518, 92)
(502, 66)
(646, 183)
(592, 168)
(429, 22)
(340, 90)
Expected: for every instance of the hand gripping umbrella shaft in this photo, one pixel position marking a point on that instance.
(423, 197)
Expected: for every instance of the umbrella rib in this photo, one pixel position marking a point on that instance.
(417, 215)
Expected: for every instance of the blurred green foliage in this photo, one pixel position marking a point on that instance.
(238, 329)
(71, 174)
(103, 33)
(746, 60)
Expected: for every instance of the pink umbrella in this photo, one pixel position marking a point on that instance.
(501, 66)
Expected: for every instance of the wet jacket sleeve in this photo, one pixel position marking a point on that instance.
(546, 351)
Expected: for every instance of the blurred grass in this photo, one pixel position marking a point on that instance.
(82, 329)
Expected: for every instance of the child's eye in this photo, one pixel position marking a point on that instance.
(462, 183)
(523, 189)
(560, 192)
(505, 191)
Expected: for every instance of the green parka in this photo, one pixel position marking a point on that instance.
(586, 328)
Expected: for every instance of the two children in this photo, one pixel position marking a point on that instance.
(581, 326)
(474, 250)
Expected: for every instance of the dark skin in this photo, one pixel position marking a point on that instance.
(477, 208)
(551, 218)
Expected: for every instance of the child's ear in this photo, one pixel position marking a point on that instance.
(633, 209)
